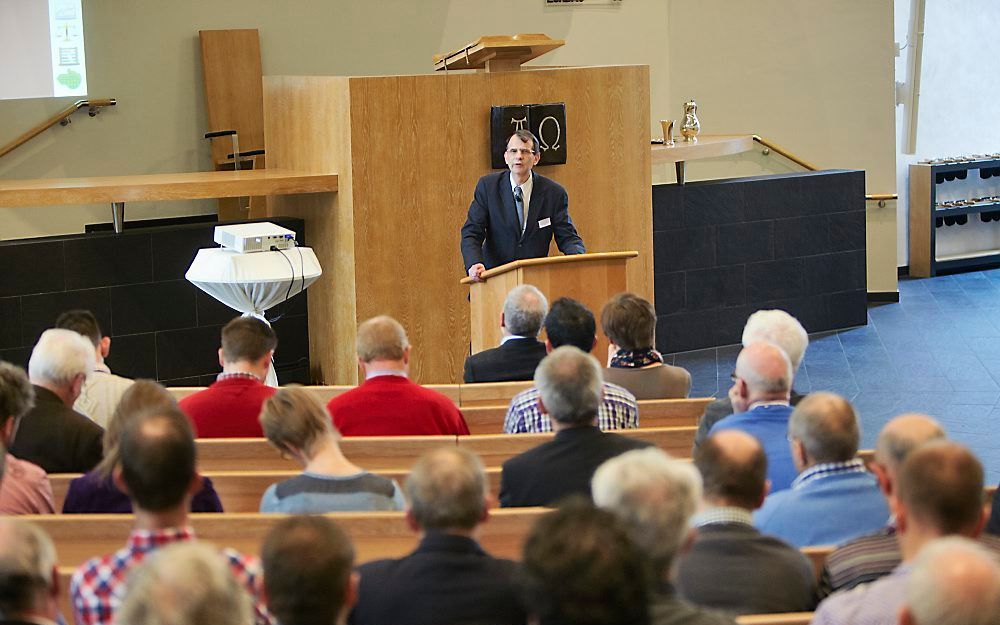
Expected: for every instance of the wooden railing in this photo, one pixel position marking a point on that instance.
(62, 118)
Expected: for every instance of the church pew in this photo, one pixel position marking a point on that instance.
(324, 393)
(788, 618)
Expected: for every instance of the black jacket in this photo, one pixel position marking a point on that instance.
(56, 437)
(514, 361)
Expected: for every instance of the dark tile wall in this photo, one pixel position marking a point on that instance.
(161, 326)
(725, 248)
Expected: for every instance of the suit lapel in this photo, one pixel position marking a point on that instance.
(510, 210)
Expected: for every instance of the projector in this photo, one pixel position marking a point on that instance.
(258, 237)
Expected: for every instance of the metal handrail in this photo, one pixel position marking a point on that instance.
(881, 198)
(62, 117)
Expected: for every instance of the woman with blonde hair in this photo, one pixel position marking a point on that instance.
(96, 491)
(298, 425)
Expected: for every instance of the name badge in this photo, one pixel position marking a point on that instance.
(544, 223)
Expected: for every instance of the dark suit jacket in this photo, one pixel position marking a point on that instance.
(513, 361)
(56, 437)
(448, 580)
(492, 235)
(719, 410)
(560, 467)
(993, 527)
(759, 574)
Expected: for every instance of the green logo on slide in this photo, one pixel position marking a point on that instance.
(70, 79)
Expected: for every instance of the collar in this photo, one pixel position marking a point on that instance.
(374, 373)
(435, 540)
(580, 430)
(772, 402)
(45, 395)
(148, 540)
(722, 514)
(101, 368)
(827, 469)
(236, 375)
(511, 337)
(526, 186)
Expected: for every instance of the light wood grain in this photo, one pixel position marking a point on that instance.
(151, 187)
(708, 146)
(551, 260)
(653, 413)
(514, 49)
(234, 99)
(786, 618)
(922, 232)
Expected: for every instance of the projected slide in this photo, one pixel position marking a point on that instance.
(41, 47)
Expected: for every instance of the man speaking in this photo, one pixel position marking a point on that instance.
(515, 214)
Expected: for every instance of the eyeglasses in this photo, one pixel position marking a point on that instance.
(521, 151)
(733, 376)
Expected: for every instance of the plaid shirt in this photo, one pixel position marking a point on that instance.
(98, 586)
(722, 514)
(818, 471)
(618, 411)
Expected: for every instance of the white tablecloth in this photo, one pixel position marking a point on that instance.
(252, 283)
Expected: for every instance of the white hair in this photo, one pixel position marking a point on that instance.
(757, 373)
(954, 582)
(59, 356)
(27, 559)
(655, 495)
(570, 385)
(185, 584)
(780, 328)
(524, 310)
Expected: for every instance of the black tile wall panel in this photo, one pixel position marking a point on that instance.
(723, 249)
(161, 326)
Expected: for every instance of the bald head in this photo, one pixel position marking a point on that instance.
(902, 435)
(825, 426)
(941, 490)
(765, 369)
(382, 338)
(954, 582)
(733, 468)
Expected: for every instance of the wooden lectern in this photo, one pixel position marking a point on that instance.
(588, 278)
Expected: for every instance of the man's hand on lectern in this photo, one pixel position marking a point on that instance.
(475, 271)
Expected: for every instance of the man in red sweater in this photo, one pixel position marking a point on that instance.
(230, 406)
(387, 403)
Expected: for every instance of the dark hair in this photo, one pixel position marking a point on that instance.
(570, 323)
(17, 396)
(629, 321)
(739, 481)
(579, 567)
(526, 136)
(307, 562)
(941, 483)
(83, 322)
(247, 338)
(158, 458)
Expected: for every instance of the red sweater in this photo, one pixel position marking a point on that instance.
(228, 408)
(391, 405)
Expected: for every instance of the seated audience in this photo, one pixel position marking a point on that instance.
(103, 390)
(229, 407)
(954, 582)
(185, 584)
(308, 564)
(298, 425)
(655, 497)
(520, 351)
(24, 487)
(157, 470)
(29, 577)
(570, 323)
(629, 322)
(387, 403)
(875, 555)
(448, 579)
(759, 396)
(52, 434)
(940, 493)
(95, 491)
(773, 326)
(580, 567)
(569, 386)
(834, 498)
(762, 574)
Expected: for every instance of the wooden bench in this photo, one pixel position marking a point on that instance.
(788, 618)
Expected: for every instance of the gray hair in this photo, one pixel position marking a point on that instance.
(17, 396)
(765, 367)
(185, 584)
(59, 356)
(447, 489)
(570, 385)
(825, 423)
(779, 328)
(901, 435)
(27, 560)
(954, 582)
(654, 495)
(381, 338)
(524, 310)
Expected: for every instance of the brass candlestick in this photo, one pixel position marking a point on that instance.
(691, 126)
(668, 131)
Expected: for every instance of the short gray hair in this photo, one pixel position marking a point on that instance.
(186, 583)
(902, 434)
(59, 356)
(381, 338)
(825, 423)
(954, 582)
(765, 367)
(27, 560)
(17, 396)
(779, 328)
(570, 385)
(447, 489)
(654, 495)
(524, 310)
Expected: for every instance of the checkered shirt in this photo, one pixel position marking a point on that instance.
(819, 471)
(618, 411)
(98, 586)
(722, 514)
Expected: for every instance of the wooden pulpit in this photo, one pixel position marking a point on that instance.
(588, 278)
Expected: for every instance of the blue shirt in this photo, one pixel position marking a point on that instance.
(827, 505)
(768, 424)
